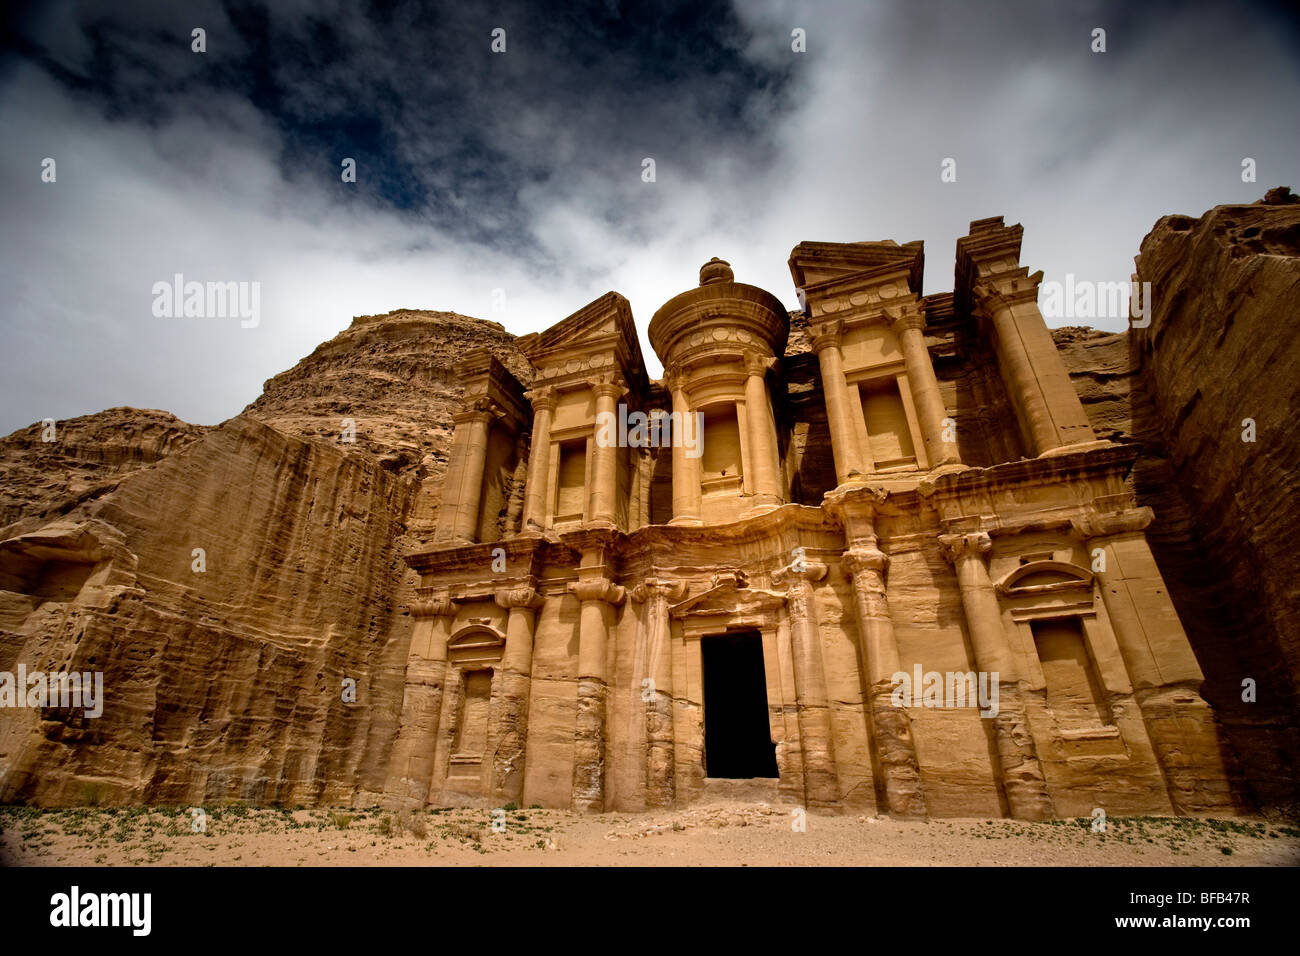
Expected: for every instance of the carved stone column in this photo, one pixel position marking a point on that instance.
(539, 459)
(463, 489)
(686, 467)
(891, 725)
(604, 479)
(1022, 773)
(599, 597)
(509, 760)
(908, 325)
(844, 434)
(518, 485)
(660, 781)
(766, 462)
(1050, 412)
(821, 783)
(411, 767)
(1164, 672)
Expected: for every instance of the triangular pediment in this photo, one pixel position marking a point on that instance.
(817, 263)
(603, 325)
(725, 599)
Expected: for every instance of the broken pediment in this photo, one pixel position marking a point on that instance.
(728, 596)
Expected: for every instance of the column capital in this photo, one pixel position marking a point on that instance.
(957, 546)
(608, 388)
(673, 590)
(524, 596)
(865, 558)
(542, 398)
(905, 318)
(758, 364)
(674, 379)
(597, 589)
(826, 334)
(1007, 289)
(431, 602)
(1103, 524)
(479, 411)
(800, 572)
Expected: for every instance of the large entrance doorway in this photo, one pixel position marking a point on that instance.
(737, 739)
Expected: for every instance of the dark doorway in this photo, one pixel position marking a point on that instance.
(737, 739)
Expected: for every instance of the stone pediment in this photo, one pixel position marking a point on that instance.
(599, 336)
(476, 643)
(728, 597)
(818, 263)
(1039, 577)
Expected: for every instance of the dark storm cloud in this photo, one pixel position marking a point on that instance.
(444, 129)
(509, 185)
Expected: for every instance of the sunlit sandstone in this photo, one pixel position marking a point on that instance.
(910, 483)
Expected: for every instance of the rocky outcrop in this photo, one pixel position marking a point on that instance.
(47, 469)
(393, 378)
(1098, 363)
(1217, 356)
(1216, 390)
(241, 589)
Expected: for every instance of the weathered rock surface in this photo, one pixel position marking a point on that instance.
(1219, 351)
(87, 457)
(393, 377)
(228, 683)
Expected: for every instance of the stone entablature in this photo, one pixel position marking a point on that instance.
(566, 645)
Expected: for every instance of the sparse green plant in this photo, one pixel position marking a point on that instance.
(340, 820)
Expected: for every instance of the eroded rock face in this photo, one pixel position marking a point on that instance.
(393, 377)
(1218, 351)
(84, 458)
(228, 682)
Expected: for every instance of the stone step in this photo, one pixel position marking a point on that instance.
(752, 790)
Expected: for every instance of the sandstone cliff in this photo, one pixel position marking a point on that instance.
(231, 582)
(393, 376)
(85, 458)
(1219, 351)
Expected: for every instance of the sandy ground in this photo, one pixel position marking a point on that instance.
(719, 834)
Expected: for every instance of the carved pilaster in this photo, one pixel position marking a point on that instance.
(599, 597)
(463, 486)
(1158, 658)
(510, 757)
(844, 434)
(821, 783)
(411, 765)
(543, 401)
(765, 464)
(1022, 776)
(660, 779)
(891, 725)
(908, 323)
